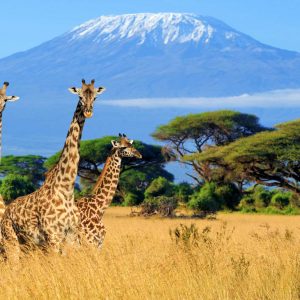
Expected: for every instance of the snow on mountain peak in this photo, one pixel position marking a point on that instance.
(160, 27)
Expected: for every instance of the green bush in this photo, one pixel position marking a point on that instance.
(159, 187)
(14, 186)
(183, 191)
(261, 196)
(206, 200)
(132, 199)
(280, 200)
(247, 204)
(256, 198)
(228, 195)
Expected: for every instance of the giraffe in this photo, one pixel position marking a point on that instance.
(48, 215)
(92, 208)
(3, 100)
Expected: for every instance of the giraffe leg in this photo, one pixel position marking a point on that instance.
(10, 243)
(53, 242)
(101, 236)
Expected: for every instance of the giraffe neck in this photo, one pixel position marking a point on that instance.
(107, 183)
(64, 174)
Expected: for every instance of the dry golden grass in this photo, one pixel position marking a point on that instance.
(252, 257)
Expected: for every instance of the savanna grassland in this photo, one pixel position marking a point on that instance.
(235, 256)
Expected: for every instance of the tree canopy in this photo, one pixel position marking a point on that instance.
(269, 158)
(31, 166)
(193, 133)
(93, 154)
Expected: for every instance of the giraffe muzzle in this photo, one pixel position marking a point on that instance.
(88, 113)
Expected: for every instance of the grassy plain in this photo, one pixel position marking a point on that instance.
(236, 256)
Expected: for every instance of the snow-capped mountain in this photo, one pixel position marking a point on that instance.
(162, 28)
(154, 55)
(139, 56)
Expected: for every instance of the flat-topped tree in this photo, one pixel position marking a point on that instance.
(3, 100)
(193, 133)
(268, 158)
(49, 214)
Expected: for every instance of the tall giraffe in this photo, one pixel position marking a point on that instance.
(3, 100)
(92, 208)
(47, 216)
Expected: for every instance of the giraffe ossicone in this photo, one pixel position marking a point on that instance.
(92, 208)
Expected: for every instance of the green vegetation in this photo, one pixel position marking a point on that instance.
(13, 186)
(268, 158)
(31, 166)
(22, 175)
(237, 164)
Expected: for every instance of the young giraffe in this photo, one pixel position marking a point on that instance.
(47, 216)
(92, 208)
(3, 100)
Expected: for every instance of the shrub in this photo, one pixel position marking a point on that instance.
(14, 186)
(132, 199)
(161, 205)
(261, 196)
(183, 191)
(228, 195)
(159, 187)
(247, 204)
(206, 200)
(280, 200)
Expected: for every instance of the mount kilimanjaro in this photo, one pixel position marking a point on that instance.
(159, 56)
(153, 55)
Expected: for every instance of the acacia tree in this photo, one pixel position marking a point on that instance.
(268, 158)
(193, 133)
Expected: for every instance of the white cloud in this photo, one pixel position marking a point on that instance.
(272, 99)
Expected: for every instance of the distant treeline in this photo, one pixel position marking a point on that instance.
(235, 162)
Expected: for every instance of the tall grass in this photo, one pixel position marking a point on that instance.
(234, 257)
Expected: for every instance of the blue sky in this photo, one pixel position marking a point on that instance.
(25, 24)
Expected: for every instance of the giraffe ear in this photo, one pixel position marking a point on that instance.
(131, 142)
(12, 98)
(74, 90)
(100, 90)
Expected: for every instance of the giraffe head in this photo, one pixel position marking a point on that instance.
(125, 147)
(4, 98)
(87, 94)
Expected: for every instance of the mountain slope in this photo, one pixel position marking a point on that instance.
(154, 55)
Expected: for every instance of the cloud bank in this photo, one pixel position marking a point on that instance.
(273, 99)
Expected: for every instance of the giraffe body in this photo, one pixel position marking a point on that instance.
(47, 216)
(92, 208)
